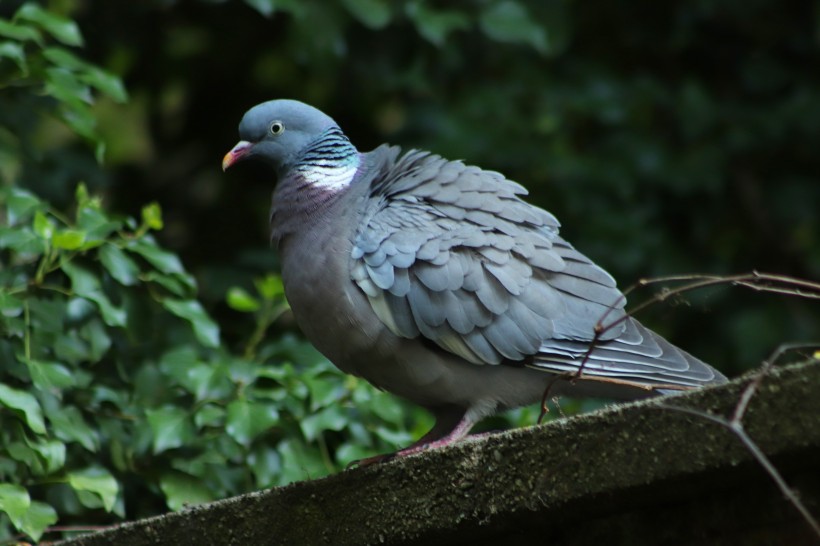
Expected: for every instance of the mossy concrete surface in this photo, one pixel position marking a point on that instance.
(632, 474)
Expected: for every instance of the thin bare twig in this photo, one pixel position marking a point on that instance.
(735, 426)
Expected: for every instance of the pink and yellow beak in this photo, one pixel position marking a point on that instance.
(238, 152)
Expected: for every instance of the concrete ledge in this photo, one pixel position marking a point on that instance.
(634, 474)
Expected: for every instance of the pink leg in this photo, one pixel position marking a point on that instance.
(451, 426)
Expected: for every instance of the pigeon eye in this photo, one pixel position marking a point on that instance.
(277, 128)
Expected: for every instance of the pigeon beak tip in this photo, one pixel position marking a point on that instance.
(237, 153)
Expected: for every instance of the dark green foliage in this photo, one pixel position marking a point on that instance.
(149, 363)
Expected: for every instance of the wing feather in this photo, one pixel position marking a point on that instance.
(451, 253)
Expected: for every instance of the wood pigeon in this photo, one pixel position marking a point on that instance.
(434, 280)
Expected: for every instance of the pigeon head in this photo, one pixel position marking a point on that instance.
(278, 132)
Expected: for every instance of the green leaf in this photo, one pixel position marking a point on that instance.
(30, 517)
(19, 32)
(435, 25)
(51, 453)
(161, 259)
(119, 264)
(10, 305)
(43, 226)
(37, 519)
(26, 404)
(205, 329)
(98, 339)
(246, 420)
(373, 14)
(171, 427)
(69, 239)
(152, 216)
(508, 21)
(64, 30)
(98, 481)
(86, 285)
(68, 425)
(330, 418)
(270, 287)
(14, 501)
(239, 299)
(182, 490)
(22, 240)
(210, 415)
(20, 204)
(15, 52)
(49, 375)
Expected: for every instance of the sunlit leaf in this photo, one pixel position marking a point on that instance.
(239, 299)
(69, 239)
(43, 226)
(152, 216)
(270, 286)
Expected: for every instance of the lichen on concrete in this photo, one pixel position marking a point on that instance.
(632, 473)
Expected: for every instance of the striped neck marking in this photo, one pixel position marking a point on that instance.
(330, 162)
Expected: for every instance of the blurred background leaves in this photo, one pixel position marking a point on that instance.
(147, 358)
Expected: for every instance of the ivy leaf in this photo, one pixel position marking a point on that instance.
(374, 14)
(435, 25)
(69, 239)
(48, 376)
(69, 425)
(508, 21)
(270, 287)
(20, 204)
(97, 481)
(14, 501)
(43, 226)
(37, 519)
(183, 490)
(246, 420)
(86, 285)
(171, 428)
(239, 299)
(161, 259)
(64, 30)
(16, 53)
(205, 329)
(26, 404)
(21, 33)
(119, 264)
(152, 216)
(330, 418)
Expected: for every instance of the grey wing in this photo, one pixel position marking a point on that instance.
(451, 253)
